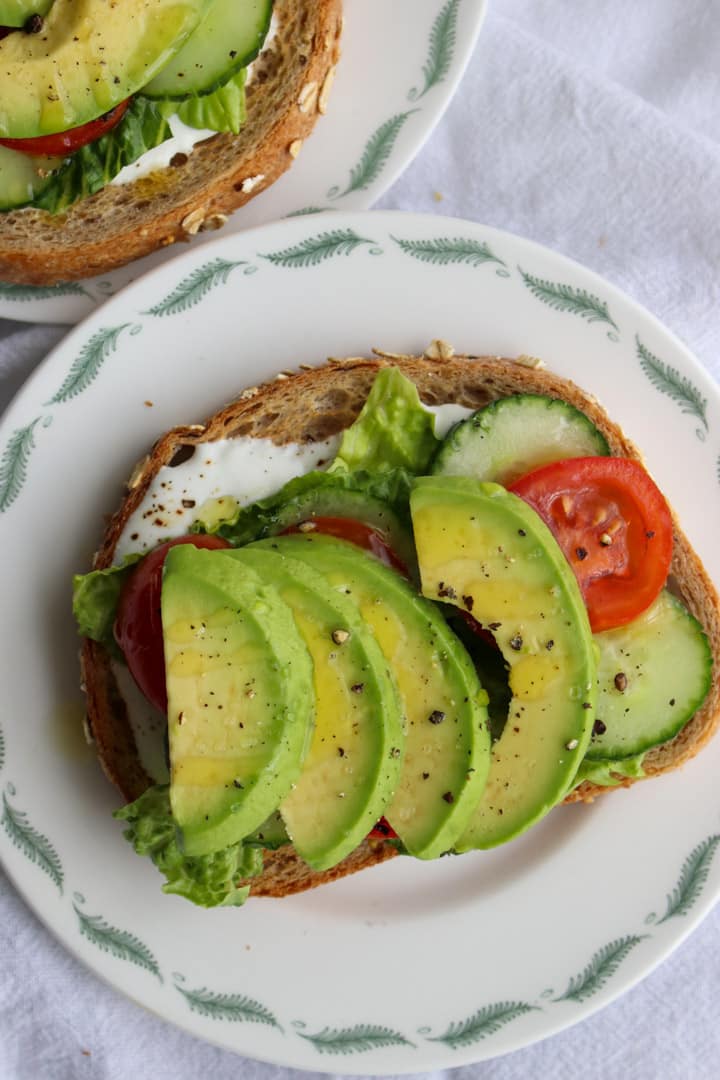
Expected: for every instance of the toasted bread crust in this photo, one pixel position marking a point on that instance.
(287, 94)
(310, 406)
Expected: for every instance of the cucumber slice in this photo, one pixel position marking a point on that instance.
(17, 12)
(663, 661)
(514, 435)
(328, 502)
(229, 38)
(23, 178)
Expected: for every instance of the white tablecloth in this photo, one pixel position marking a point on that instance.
(593, 128)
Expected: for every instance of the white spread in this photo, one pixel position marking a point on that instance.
(183, 139)
(446, 416)
(247, 469)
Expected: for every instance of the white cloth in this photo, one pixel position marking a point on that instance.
(592, 128)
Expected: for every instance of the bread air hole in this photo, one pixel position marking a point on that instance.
(183, 454)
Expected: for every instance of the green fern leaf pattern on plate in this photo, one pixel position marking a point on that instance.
(444, 251)
(86, 367)
(603, 965)
(669, 381)
(32, 843)
(195, 286)
(306, 210)
(484, 1022)
(375, 157)
(317, 249)
(567, 298)
(14, 463)
(442, 46)
(25, 293)
(693, 876)
(119, 943)
(233, 1007)
(355, 1040)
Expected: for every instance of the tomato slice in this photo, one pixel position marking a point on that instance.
(138, 626)
(356, 532)
(614, 526)
(67, 142)
(382, 830)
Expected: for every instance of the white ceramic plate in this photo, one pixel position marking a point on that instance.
(410, 966)
(401, 63)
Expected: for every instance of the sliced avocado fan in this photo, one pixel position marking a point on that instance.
(240, 697)
(484, 550)
(353, 765)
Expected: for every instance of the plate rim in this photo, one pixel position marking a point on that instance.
(247, 238)
(42, 308)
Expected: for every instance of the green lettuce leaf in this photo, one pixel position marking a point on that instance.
(393, 431)
(206, 880)
(222, 110)
(608, 773)
(95, 600)
(243, 524)
(144, 126)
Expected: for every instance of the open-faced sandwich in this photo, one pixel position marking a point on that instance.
(390, 605)
(125, 127)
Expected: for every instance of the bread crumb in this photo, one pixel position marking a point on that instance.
(308, 97)
(214, 221)
(325, 92)
(529, 361)
(392, 355)
(438, 196)
(149, 404)
(295, 147)
(192, 222)
(87, 730)
(137, 473)
(251, 183)
(439, 350)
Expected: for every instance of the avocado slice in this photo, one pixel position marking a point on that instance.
(240, 697)
(353, 766)
(89, 56)
(447, 747)
(484, 550)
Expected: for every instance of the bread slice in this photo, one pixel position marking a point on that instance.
(289, 89)
(310, 406)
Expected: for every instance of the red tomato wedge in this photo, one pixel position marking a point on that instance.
(356, 532)
(613, 525)
(383, 830)
(138, 626)
(67, 142)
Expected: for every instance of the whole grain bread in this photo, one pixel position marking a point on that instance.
(309, 406)
(288, 91)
